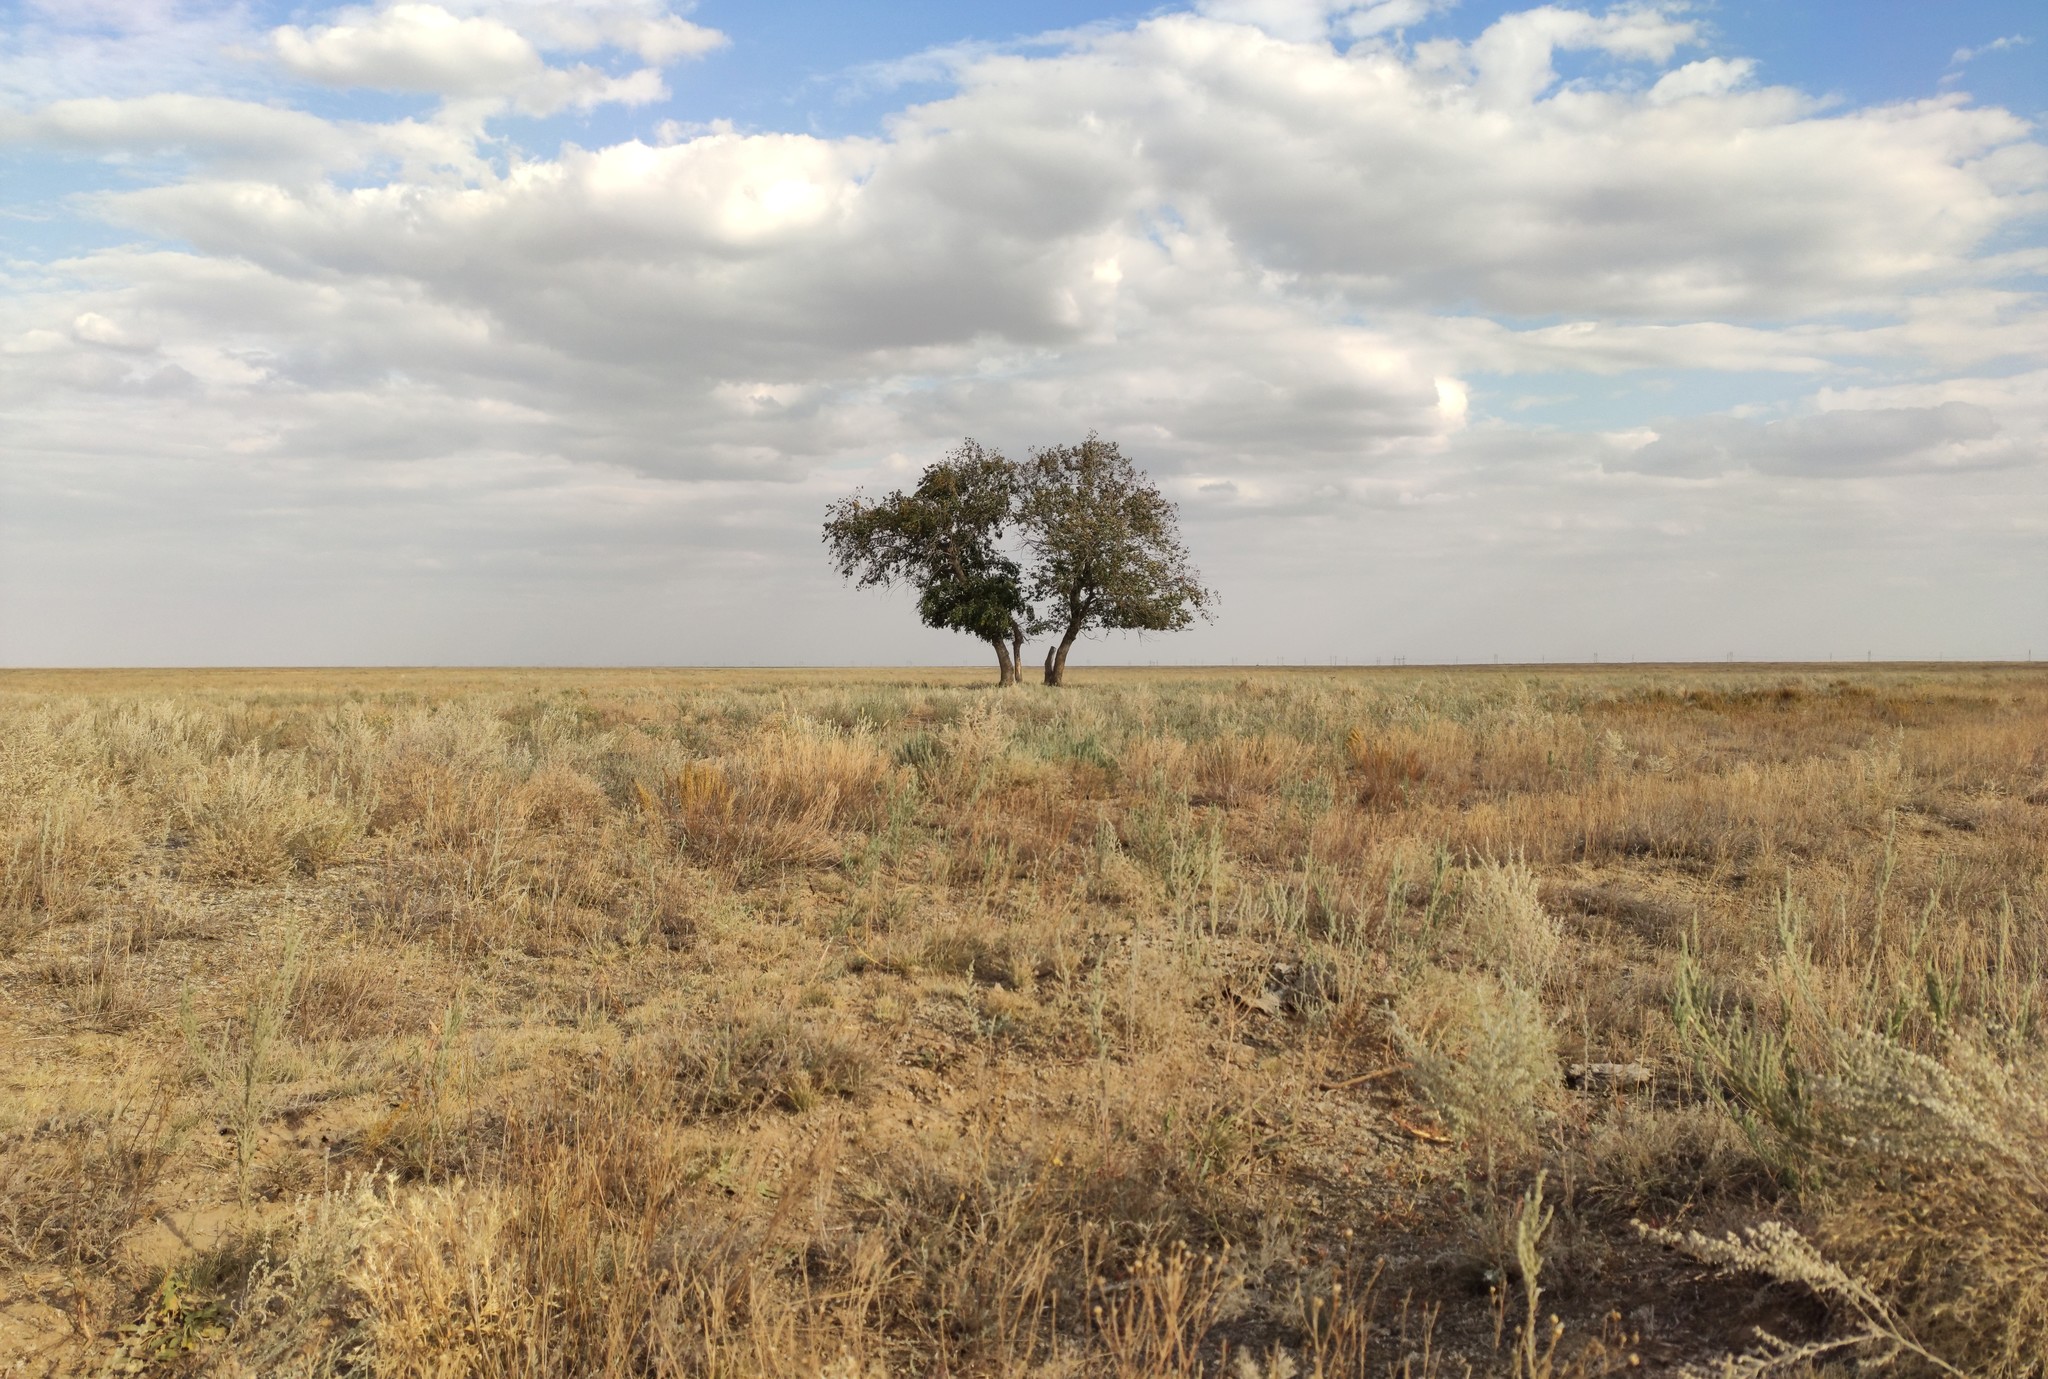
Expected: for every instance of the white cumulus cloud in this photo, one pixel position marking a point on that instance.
(412, 47)
(495, 50)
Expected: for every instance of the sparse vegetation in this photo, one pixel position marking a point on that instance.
(852, 1024)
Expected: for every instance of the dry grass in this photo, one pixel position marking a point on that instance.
(872, 1023)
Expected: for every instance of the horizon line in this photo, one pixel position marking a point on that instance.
(1388, 663)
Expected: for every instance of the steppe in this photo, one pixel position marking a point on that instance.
(1247, 1023)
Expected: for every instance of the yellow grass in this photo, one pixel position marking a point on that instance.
(851, 1023)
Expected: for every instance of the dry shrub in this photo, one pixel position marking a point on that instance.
(50, 860)
(431, 1128)
(811, 771)
(146, 916)
(104, 988)
(1940, 1197)
(957, 763)
(1506, 927)
(773, 844)
(1385, 767)
(1641, 1157)
(373, 1279)
(1751, 812)
(294, 1310)
(779, 800)
(1114, 875)
(439, 805)
(468, 899)
(591, 1258)
(979, 1239)
(442, 1289)
(973, 952)
(1515, 751)
(1159, 762)
(1483, 1054)
(747, 1062)
(344, 995)
(575, 876)
(698, 796)
(558, 796)
(1924, 1173)
(1033, 825)
(72, 1188)
(701, 794)
(253, 819)
(1867, 1330)
(464, 733)
(1232, 770)
(61, 831)
(973, 1252)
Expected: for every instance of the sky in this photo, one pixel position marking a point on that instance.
(543, 331)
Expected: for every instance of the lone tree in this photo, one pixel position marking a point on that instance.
(944, 538)
(1104, 545)
(1106, 550)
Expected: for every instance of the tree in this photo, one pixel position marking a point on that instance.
(1106, 549)
(944, 538)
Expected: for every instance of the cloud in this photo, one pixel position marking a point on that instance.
(928, 66)
(1510, 63)
(1712, 76)
(94, 329)
(646, 28)
(494, 51)
(1363, 176)
(1996, 45)
(1303, 282)
(50, 51)
(1298, 21)
(1308, 21)
(1364, 21)
(1842, 443)
(412, 47)
(232, 130)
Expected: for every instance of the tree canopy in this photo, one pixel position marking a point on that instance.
(1106, 549)
(1103, 545)
(944, 538)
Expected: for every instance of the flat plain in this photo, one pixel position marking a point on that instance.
(1248, 1023)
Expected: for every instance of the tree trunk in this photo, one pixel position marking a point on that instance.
(1006, 664)
(1056, 657)
(1016, 654)
(1059, 665)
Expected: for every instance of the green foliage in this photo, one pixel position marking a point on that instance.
(1746, 1065)
(1104, 543)
(944, 539)
(181, 1317)
(985, 603)
(1106, 547)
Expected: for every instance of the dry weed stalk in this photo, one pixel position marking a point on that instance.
(1783, 1255)
(237, 1063)
(1154, 1320)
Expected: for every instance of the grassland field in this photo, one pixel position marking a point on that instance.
(1242, 1023)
